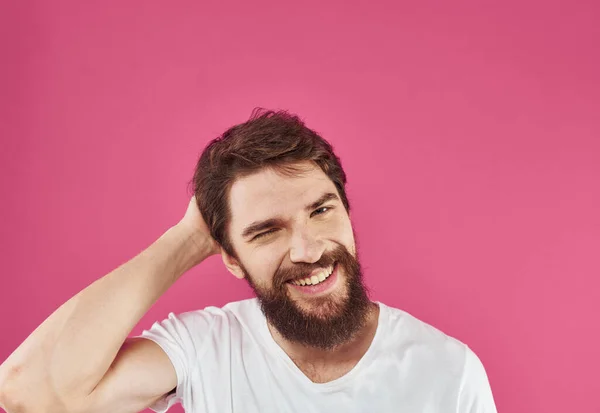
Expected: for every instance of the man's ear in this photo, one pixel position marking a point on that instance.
(232, 265)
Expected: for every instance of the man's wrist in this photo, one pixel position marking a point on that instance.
(196, 247)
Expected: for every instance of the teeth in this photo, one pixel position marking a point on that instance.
(315, 279)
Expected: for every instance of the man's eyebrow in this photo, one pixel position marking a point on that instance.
(329, 196)
(273, 222)
(261, 225)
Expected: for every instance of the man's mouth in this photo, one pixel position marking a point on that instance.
(315, 278)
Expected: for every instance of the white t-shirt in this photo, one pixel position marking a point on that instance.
(227, 361)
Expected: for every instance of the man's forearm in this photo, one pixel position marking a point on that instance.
(74, 347)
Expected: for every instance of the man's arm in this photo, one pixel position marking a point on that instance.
(78, 359)
(475, 392)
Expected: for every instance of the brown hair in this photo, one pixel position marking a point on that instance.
(269, 139)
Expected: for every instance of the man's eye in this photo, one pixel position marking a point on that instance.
(321, 211)
(262, 234)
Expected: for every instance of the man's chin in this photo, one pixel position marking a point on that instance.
(323, 308)
(321, 321)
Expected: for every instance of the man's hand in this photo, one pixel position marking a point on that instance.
(193, 224)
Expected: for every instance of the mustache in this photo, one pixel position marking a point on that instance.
(303, 269)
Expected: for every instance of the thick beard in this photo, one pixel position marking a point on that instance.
(330, 321)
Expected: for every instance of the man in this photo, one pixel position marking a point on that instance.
(270, 198)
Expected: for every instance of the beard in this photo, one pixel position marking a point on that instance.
(320, 322)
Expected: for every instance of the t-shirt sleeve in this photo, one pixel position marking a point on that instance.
(475, 394)
(181, 336)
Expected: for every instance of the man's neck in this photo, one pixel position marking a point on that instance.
(348, 353)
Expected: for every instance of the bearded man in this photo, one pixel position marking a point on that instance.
(270, 198)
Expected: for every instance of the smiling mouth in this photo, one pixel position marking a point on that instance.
(316, 278)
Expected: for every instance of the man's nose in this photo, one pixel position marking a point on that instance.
(306, 247)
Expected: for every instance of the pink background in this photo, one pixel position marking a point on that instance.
(469, 132)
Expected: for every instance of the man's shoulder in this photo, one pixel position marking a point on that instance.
(240, 307)
(217, 319)
(248, 305)
(243, 314)
(404, 324)
(434, 357)
(407, 334)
